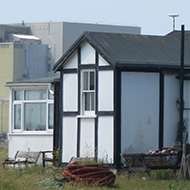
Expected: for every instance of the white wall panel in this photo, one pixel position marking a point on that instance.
(171, 113)
(30, 142)
(87, 54)
(105, 139)
(70, 92)
(102, 61)
(72, 62)
(87, 138)
(106, 91)
(187, 104)
(69, 138)
(139, 111)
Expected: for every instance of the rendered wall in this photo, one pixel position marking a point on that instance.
(69, 138)
(6, 71)
(87, 140)
(171, 113)
(187, 106)
(61, 35)
(30, 142)
(51, 34)
(70, 92)
(106, 91)
(6, 74)
(139, 112)
(19, 59)
(35, 61)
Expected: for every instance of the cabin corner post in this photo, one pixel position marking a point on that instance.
(117, 124)
(60, 130)
(56, 116)
(161, 111)
(181, 85)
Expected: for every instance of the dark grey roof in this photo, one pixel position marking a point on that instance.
(177, 34)
(126, 49)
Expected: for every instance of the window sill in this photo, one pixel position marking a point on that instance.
(87, 116)
(31, 132)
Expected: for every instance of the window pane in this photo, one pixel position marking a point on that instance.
(50, 116)
(35, 94)
(17, 116)
(92, 80)
(92, 101)
(35, 117)
(87, 101)
(85, 81)
(18, 95)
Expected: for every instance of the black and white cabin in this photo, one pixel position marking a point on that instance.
(118, 94)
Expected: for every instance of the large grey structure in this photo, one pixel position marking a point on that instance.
(60, 35)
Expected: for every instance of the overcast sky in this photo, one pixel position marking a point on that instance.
(150, 15)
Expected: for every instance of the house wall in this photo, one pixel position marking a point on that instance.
(35, 61)
(29, 143)
(86, 134)
(74, 30)
(141, 99)
(187, 108)
(30, 61)
(171, 113)
(22, 139)
(6, 74)
(139, 112)
(19, 62)
(5, 30)
(51, 34)
(6, 71)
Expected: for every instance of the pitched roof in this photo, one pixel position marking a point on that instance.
(177, 34)
(126, 49)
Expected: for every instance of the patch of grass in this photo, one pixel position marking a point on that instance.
(163, 175)
(39, 178)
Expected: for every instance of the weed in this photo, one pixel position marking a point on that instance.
(173, 187)
(163, 175)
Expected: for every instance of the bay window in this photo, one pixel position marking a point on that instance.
(32, 110)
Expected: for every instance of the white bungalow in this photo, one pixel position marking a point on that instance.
(118, 94)
(31, 115)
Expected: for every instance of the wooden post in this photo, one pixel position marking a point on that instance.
(188, 165)
(183, 167)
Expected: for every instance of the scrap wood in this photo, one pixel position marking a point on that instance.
(99, 175)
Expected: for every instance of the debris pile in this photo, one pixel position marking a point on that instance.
(89, 175)
(167, 150)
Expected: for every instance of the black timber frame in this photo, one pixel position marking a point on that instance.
(97, 68)
(117, 88)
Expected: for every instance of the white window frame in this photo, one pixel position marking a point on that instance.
(23, 102)
(83, 111)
